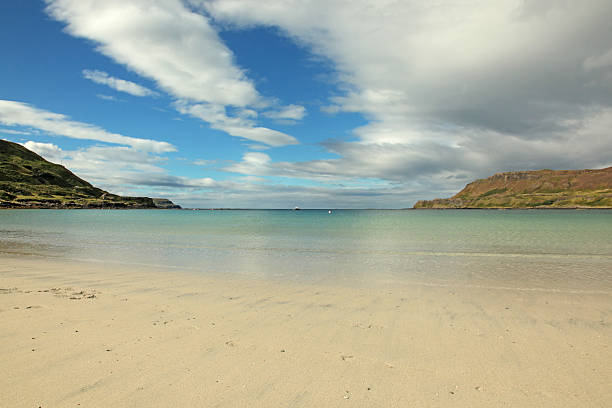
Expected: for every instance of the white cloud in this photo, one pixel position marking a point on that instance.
(121, 169)
(163, 41)
(112, 167)
(17, 113)
(14, 132)
(289, 112)
(49, 151)
(104, 162)
(101, 77)
(239, 126)
(170, 43)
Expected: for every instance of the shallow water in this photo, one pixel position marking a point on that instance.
(564, 250)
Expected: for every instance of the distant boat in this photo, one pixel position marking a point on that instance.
(296, 208)
(329, 212)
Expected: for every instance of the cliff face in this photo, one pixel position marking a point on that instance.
(29, 181)
(534, 189)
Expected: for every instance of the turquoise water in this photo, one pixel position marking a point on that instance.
(530, 249)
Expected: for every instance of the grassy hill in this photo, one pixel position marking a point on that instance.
(533, 189)
(29, 181)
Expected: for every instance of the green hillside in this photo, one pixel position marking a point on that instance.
(29, 181)
(533, 189)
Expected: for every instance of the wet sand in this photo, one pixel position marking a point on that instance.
(95, 335)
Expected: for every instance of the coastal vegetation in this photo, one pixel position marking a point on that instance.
(533, 189)
(29, 181)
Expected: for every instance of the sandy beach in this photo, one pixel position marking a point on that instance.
(99, 335)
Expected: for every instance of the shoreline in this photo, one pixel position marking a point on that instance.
(112, 335)
(307, 209)
(513, 208)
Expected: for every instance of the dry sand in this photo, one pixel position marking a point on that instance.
(79, 334)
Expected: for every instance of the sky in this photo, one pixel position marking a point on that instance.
(317, 104)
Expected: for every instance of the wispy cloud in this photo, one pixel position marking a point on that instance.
(164, 41)
(101, 77)
(108, 97)
(18, 113)
(289, 112)
(14, 132)
(239, 126)
(176, 47)
(202, 162)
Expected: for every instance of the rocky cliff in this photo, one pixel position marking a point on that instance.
(165, 203)
(534, 189)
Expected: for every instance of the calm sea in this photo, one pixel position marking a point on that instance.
(544, 249)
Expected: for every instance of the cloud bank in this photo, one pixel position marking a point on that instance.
(454, 88)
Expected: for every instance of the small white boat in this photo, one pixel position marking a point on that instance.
(296, 208)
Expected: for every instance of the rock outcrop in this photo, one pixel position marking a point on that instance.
(165, 203)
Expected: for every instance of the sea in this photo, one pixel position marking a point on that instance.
(548, 250)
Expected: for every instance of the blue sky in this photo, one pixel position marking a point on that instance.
(217, 103)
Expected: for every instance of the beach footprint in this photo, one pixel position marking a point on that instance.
(8, 291)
